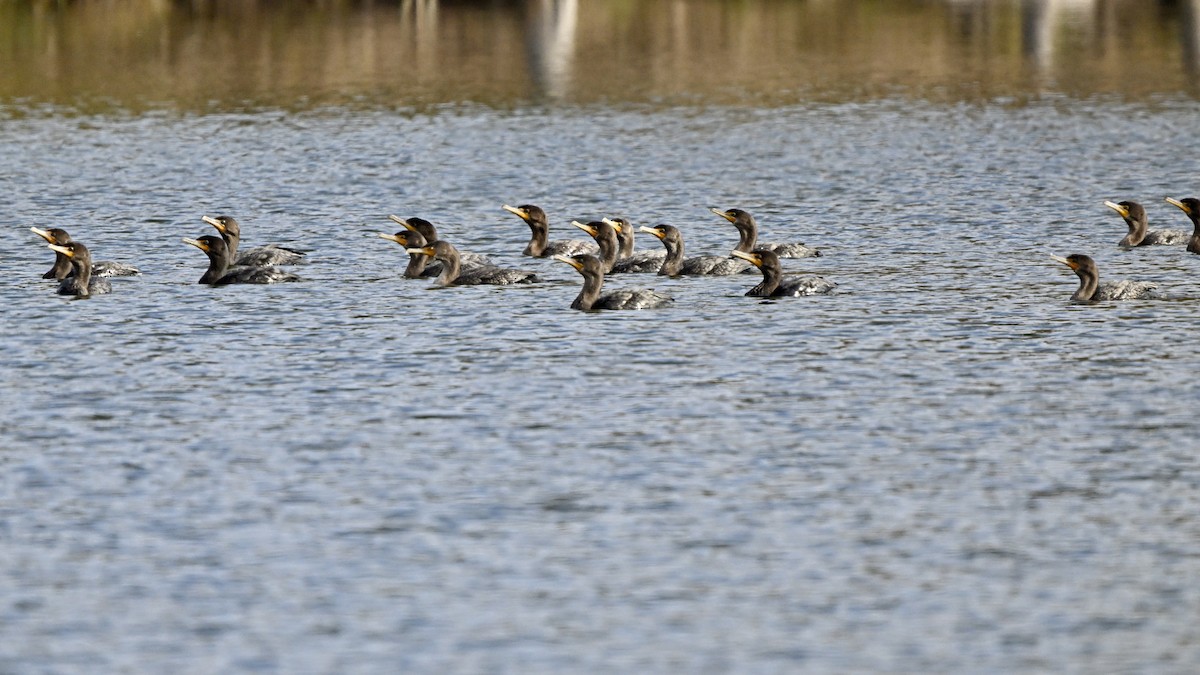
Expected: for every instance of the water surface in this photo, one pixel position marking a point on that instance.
(944, 466)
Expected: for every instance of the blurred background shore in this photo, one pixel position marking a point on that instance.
(98, 55)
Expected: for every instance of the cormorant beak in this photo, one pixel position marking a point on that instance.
(1066, 262)
(651, 230)
(1118, 208)
(721, 213)
(402, 222)
(613, 224)
(399, 239)
(570, 261)
(50, 238)
(69, 252)
(428, 250)
(753, 258)
(215, 223)
(514, 210)
(1173, 202)
(586, 228)
(197, 243)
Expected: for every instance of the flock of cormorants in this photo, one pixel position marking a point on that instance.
(611, 251)
(1091, 290)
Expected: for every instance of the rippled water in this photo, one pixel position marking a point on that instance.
(945, 466)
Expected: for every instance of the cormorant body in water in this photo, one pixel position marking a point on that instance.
(62, 264)
(429, 234)
(674, 264)
(1190, 206)
(539, 245)
(1135, 217)
(219, 273)
(748, 236)
(80, 283)
(629, 260)
(774, 284)
(589, 297)
(271, 254)
(1090, 288)
(453, 274)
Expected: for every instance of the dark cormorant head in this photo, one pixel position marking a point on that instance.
(213, 246)
(760, 258)
(406, 238)
(625, 232)
(225, 225)
(1082, 264)
(442, 250)
(1189, 205)
(534, 215)
(53, 236)
(77, 252)
(1130, 211)
(735, 216)
(584, 263)
(666, 233)
(420, 225)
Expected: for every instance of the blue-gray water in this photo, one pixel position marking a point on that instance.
(943, 467)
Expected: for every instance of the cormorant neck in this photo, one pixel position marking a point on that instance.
(217, 266)
(416, 265)
(673, 263)
(450, 267)
(1137, 231)
(1089, 282)
(62, 267)
(626, 241)
(747, 235)
(608, 249)
(592, 283)
(231, 243)
(1194, 243)
(538, 239)
(772, 275)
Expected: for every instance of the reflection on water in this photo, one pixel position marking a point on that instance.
(149, 53)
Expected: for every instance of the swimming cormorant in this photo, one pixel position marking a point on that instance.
(589, 297)
(62, 264)
(606, 239)
(429, 234)
(454, 274)
(219, 273)
(80, 283)
(748, 236)
(1090, 288)
(674, 264)
(271, 254)
(539, 246)
(1135, 217)
(774, 284)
